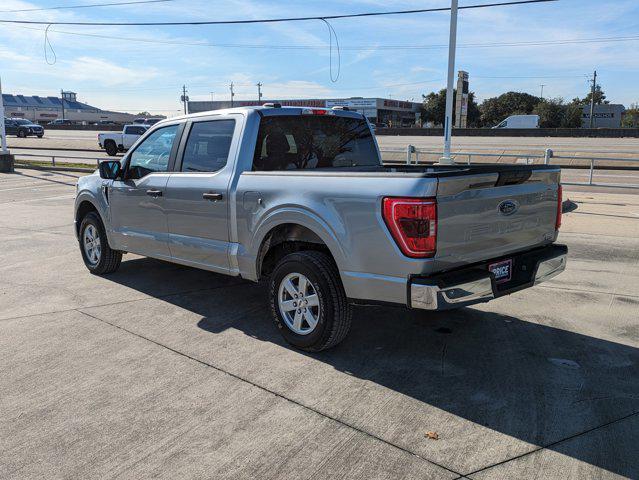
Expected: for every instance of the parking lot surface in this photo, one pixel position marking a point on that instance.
(166, 371)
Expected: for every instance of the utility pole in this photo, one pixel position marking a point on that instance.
(232, 94)
(3, 133)
(211, 96)
(259, 91)
(184, 98)
(448, 120)
(62, 102)
(592, 99)
(542, 90)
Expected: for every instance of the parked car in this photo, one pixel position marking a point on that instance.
(519, 121)
(60, 121)
(121, 142)
(299, 197)
(148, 121)
(22, 128)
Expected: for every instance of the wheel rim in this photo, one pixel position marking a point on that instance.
(299, 303)
(91, 244)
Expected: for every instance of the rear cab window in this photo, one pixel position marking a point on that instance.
(293, 142)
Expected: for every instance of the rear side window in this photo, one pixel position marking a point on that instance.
(313, 141)
(208, 145)
(135, 130)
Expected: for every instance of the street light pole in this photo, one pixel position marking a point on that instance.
(448, 120)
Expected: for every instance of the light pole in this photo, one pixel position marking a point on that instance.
(542, 90)
(448, 120)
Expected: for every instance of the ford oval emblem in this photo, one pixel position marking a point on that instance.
(508, 207)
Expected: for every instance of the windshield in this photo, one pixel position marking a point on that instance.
(314, 141)
(24, 122)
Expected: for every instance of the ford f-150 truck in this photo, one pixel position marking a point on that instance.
(299, 197)
(121, 142)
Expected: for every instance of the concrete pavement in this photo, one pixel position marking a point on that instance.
(161, 370)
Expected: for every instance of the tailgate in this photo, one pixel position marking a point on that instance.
(493, 213)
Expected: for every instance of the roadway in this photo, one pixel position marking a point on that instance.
(87, 139)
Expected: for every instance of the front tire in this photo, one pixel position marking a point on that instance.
(111, 148)
(308, 302)
(98, 257)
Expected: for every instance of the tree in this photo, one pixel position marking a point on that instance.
(434, 108)
(573, 116)
(631, 117)
(554, 113)
(494, 110)
(551, 112)
(143, 114)
(600, 97)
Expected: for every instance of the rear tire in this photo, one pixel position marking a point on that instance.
(111, 148)
(308, 302)
(98, 256)
(22, 134)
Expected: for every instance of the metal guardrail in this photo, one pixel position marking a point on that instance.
(53, 158)
(412, 157)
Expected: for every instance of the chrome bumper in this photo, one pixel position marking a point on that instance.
(443, 297)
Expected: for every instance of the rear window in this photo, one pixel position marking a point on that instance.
(313, 141)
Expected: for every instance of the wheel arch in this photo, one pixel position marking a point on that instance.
(291, 236)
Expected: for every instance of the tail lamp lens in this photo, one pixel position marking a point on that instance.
(413, 224)
(559, 202)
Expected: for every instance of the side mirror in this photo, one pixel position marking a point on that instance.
(110, 169)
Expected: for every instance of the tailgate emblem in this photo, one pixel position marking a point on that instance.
(508, 207)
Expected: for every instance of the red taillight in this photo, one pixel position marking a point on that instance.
(413, 224)
(559, 201)
(315, 111)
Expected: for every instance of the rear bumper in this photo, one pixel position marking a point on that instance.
(477, 284)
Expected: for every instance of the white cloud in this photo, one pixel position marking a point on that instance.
(107, 73)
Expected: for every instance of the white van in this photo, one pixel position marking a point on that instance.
(520, 121)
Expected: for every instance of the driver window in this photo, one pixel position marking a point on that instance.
(152, 155)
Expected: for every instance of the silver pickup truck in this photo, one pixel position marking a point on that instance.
(299, 197)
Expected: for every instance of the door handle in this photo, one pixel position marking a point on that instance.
(212, 196)
(154, 193)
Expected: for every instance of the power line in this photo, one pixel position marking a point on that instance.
(346, 47)
(532, 76)
(94, 5)
(278, 20)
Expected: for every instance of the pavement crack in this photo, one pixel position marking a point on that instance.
(275, 393)
(556, 442)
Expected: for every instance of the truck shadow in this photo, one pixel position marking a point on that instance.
(531, 381)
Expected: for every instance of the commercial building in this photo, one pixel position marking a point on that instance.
(605, 116)
(394, 113)
(46, 109)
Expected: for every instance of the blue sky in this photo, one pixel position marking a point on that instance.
(134, 75)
